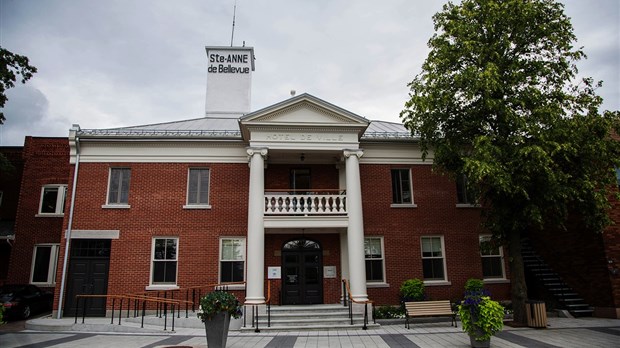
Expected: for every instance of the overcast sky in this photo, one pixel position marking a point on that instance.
(115, 63)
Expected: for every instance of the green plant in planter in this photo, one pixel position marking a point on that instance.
(412, 290)
(217, 302)
(481, 317)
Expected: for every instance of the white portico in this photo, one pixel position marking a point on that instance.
(310, 130)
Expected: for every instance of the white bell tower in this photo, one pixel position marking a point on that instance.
(229, 81)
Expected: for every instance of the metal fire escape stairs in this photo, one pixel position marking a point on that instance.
(566, 297)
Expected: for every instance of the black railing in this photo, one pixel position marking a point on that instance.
(136, 299)
(348, 301)
(166, 303)
(256, 307)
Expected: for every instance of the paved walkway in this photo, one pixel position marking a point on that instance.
(562, 332)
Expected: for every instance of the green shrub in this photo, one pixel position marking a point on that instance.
(412, 290)
(474, 284)
(389, 312)
(1, 314)
(216, 302)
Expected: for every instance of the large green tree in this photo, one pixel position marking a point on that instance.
(11, 66)
(498, 100)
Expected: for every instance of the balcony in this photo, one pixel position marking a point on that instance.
(305, 203)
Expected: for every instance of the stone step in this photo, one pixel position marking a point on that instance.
(318, 327)
(307, 317)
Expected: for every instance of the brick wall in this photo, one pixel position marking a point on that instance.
(435, 215)
(46, 161)
(157, 194)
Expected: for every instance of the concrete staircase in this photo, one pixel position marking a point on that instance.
(553, 283)
(310, 317)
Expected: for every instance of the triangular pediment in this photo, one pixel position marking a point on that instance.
(303, 111)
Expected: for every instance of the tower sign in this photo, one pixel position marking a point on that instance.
(229, 80)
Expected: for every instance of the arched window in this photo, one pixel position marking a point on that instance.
(301, 244)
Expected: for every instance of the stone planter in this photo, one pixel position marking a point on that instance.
(217, 330)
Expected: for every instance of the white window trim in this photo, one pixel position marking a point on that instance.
(220, 260)
(109, 205)
(60, 200)
(432, 282)
(53, 264)
(163, 286)
(405, 205)
(379, 283)
(501, 256)
(189, 205)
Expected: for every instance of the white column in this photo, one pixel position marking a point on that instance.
(255, 260)
(355, 231)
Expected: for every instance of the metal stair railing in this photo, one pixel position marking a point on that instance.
(348, 301)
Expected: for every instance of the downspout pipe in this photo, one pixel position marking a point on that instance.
(74, 130)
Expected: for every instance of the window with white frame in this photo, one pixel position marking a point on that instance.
(373, 254)
(401, 186)
(618, 176)
(232, 260)
(44, 263)
(492, 258)
(53, 199)
(433, 261)
(198, 186)
(165, 256)
(118, 187)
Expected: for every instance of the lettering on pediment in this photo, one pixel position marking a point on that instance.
(305, 137)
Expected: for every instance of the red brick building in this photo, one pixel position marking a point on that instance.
(298, 195)
(40, 212)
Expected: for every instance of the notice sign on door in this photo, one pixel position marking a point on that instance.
(273, 273)
(329, 271)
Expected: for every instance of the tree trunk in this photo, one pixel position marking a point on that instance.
(518, 289)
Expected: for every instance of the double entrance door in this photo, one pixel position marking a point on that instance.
(302, 272)
(88, 275)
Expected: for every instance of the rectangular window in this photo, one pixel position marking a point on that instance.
(165, 253)
(198, 186)
(232, 260)
(401, 186)
(492, 259)
(300, 180)
(373, 253)
(44, 263)
(53, 199)
(118, 189)
(618, 176)
(463, 192)
(433, 258)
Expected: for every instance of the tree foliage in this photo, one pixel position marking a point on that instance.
(11, 66)
(498, 100)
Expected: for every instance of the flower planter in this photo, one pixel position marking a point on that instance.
(479, 344)
(217, 330)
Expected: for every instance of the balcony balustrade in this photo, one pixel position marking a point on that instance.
(302, 202)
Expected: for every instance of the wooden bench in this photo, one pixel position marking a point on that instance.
(429, 309)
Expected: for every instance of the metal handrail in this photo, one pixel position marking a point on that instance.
(136, 299)
(255, 307)
(348, 300)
